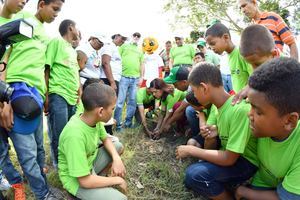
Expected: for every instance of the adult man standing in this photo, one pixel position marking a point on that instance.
(165, 55)
(181, 55)
(279, 29)
(132, 75)
(111, 62)
(91, 49)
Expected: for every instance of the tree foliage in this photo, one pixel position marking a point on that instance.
(198, 13)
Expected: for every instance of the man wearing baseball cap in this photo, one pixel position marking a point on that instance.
(178, 77)
(210, 56)
(91, 49)
(182, 54)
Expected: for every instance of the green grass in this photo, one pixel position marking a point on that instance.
(152, 170)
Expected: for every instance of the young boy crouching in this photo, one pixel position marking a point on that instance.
(80, 161)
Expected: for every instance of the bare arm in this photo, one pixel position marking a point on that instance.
(218, 157)
(118, 168)
(171, 63)
(243, 192)
(46, 103)
(107, 70)
(93, 181)
(179, 112)
(294, 51)
(144, 123)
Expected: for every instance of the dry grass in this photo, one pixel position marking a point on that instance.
(152, 170)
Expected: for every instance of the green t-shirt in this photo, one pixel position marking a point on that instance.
(182, 55)
(142, 97)
(4, 20)
(64, 70)
(77, 150)
(211, 115)
(171, 99)
(27, 59)
(132, 58)
(79, 108)
(240, 70)
(212, 58)
(279, 162)
(234, 130)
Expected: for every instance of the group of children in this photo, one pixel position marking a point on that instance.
(238, 140)
(234, 140)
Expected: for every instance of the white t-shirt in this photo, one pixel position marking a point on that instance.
(152, 64)
(92, 67)
(115, 62)
(224, 64)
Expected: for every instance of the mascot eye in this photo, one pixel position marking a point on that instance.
(151, 43)
(144, 44)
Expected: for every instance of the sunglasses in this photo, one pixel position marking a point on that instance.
(136, 35)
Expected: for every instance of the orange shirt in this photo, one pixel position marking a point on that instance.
(279, 29)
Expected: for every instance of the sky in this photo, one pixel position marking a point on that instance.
(108, 17)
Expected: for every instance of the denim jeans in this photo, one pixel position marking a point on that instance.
(192, 120)
(226, 78)
(31, 156)
(127, 88)
(59, 114)
(208, 179)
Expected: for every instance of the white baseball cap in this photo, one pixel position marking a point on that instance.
(100, 37)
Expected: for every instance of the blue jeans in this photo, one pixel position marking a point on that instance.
(208, 179)
(193, 120)
(226, 78)
(127, 88)
(31, 156)
(59, 114)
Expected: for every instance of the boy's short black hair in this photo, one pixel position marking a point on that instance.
(191, 99)
(279, 80)
(89, 81)
(200, 54)
(64, 25)
(205, 73)
(47, 2)
(97, 95)
(168, 42)
(217, 30)
(256, 39)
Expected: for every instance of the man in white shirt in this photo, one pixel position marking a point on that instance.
(111, 69)
(91, 49)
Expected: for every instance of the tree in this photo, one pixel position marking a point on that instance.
(198, 13)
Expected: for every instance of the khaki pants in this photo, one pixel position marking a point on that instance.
(108, 193)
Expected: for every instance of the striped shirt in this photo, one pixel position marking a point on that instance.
(279, 29)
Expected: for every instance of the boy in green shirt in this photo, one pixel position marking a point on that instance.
(257, 46)
(206, 115)
(25, 72)
(81, 162)
(274, 119)
(218, 38)
(235, 161)
(62, 76)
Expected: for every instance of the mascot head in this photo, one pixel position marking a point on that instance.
(150, 44)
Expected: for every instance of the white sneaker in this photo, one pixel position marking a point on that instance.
(4, 185)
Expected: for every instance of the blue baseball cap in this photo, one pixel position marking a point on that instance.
(27, 105)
